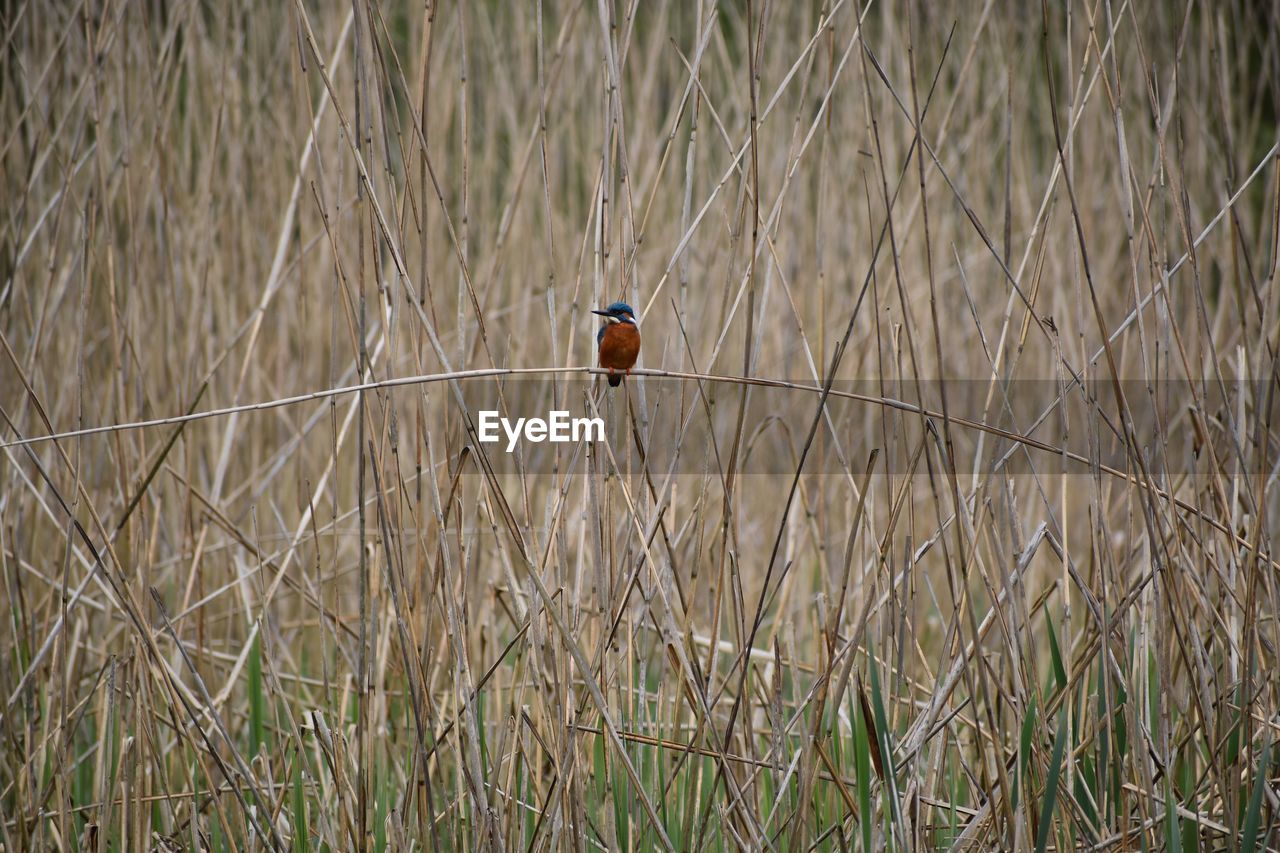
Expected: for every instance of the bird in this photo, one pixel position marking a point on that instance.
(618, 339)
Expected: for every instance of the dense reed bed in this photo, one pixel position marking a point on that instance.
(941, 512)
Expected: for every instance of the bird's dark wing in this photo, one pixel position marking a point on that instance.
(600, 334)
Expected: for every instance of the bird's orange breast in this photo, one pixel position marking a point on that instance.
(620, 346)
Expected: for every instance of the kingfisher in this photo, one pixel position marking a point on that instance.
(619, 340)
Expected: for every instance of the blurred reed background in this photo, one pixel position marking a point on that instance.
(342, 623)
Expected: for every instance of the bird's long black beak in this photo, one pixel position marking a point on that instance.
(601, 313)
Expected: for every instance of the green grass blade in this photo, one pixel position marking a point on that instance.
(1055, 654)
(257, 699)
(862, 763)
(1051, 785)
(1252, 818)
(1024, 750)
(301, 837)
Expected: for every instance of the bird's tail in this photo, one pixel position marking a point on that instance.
(615, 379)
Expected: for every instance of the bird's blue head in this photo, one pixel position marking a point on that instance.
(618, 312)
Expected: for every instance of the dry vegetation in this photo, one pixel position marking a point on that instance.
(1022, 593)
